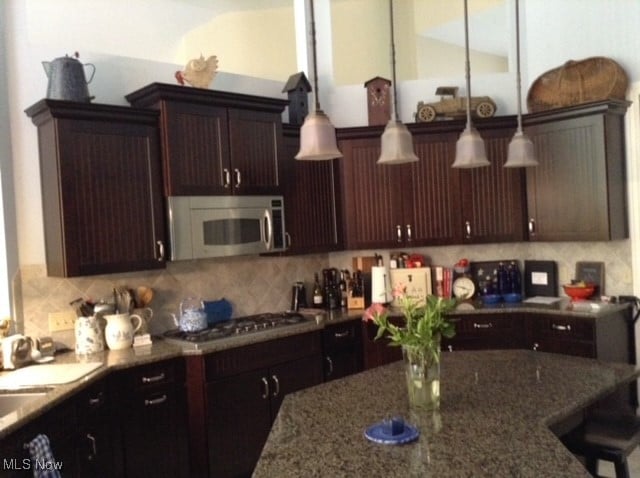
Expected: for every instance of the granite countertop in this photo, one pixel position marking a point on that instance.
(496, 410)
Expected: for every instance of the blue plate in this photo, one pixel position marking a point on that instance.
(376, 433)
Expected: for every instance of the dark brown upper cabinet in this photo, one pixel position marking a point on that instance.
(429, 202)
(215, 142)
(101, 188)
(312, 202)
(578, 192)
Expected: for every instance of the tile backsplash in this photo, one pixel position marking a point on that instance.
(256, 284)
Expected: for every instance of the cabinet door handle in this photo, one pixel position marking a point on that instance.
(155, 401)
(532, 226)
(467, 229)
(277, 384)
(92, 442)
(227, 178)
(154, 379)
(266, 387)
(287, 237)
(97, 400)
(238, 177)
(341, 335)
(488, 325)
(398, 233)
(450, 348)
(535, 346)
(160, 255)
(330, 362)
(563, 328)
(409, 235)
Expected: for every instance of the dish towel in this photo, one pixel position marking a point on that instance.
(42, 461)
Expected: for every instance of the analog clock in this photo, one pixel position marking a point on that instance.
(464, 288)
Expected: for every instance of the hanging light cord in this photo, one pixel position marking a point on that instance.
(393, 64)
(315, 62)
(518, 86)
(467, 63)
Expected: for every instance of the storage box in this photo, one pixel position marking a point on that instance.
(417, 283)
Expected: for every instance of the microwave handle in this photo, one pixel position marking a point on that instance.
(268, 229)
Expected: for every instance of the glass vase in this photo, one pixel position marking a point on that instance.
(422, 370)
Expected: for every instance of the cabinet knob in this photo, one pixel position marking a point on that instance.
(398, 233)
(227, 178)
(409, 238)
(450, 348)
(238, 177)
(277, 385)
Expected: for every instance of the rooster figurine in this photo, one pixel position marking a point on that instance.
(199, 72)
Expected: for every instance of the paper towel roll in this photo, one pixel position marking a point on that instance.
(379, 284)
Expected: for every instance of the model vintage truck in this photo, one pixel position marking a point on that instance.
(452, 106)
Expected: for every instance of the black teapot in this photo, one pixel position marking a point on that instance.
(67, 80)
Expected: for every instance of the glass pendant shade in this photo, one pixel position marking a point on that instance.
(470, 151)
(318, 138)
(521, 153)
(396, 144)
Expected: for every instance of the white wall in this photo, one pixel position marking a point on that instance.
(139, 42)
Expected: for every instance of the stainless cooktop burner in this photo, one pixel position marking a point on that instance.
(234, 327)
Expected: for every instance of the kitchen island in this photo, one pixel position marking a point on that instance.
(497, 412)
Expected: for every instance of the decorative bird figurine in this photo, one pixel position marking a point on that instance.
(199, 72)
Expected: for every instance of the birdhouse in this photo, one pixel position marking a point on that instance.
(378, 100)
(298, 88)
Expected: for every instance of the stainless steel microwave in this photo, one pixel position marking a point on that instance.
(215, 226)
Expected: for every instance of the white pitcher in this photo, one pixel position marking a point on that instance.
(120, 329)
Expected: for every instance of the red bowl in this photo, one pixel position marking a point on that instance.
(577, 292)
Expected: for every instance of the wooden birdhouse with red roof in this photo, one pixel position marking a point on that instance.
(297, 89)
(378, 100)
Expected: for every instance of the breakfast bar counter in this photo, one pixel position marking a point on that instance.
(495, 419)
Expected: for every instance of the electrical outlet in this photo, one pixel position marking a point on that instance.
(61, 320)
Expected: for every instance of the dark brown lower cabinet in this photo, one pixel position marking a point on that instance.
(235, 394)
(342, 349)
(150, 408)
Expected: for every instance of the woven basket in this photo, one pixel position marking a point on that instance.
(576, 82)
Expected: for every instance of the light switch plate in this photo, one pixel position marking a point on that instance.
(64, 320)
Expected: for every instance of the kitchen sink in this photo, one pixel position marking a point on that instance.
(10, 401)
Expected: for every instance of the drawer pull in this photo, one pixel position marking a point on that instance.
(563, 328)
(277, 383)
(341, 335)
(227, 178)
(155, 378)
(398, 233)
(482, 326)
(330, 362)
(266, 387)
(155, 401)
(97, 400)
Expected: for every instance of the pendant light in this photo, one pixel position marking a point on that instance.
(521, 153)
(396, 143)
(317, 134)
(470, 152)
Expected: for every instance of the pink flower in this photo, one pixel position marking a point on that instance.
(399, 290)
(373, 311)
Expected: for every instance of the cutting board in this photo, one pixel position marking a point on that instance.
(47, 374)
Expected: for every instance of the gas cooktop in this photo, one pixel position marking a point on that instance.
(235, 327)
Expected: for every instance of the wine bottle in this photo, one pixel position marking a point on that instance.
(318, 298)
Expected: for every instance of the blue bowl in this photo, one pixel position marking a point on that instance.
(491, 298)
(512, 297)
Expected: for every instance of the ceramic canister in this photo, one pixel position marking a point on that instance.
(89, 337)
